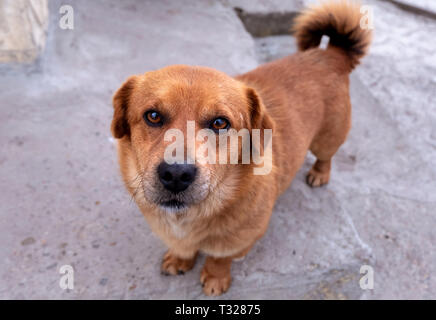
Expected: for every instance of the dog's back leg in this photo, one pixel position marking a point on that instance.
(319, 174)
(336, 124)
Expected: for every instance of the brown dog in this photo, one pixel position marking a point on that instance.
(222, 209)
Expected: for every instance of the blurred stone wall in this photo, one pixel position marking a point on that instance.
(23, 29)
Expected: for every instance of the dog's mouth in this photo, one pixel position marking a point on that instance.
(173, 205)
(169, 202)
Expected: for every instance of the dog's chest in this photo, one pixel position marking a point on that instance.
(178, 228)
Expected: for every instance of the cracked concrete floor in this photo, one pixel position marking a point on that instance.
(62, 201)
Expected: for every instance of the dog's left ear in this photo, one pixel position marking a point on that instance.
(120, 127)
(260, 119)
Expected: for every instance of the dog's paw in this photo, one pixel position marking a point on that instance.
(172, 265)
(214, 285)
(316, 179)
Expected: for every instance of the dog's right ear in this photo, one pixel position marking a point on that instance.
(120, 126)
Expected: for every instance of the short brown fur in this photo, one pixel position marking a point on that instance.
(304, 98)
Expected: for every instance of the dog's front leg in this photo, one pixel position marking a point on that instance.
(215, 276)
(175, 263)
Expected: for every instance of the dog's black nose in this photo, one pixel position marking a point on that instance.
(176, 177)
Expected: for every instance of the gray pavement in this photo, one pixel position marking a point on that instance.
(62, 200)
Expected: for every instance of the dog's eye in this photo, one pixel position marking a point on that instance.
(219, 124)
(153, 118)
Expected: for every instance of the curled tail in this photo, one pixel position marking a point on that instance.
(340, 21)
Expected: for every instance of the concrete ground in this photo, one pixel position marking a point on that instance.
(63, 203)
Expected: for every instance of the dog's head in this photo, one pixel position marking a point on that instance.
(162, 115)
